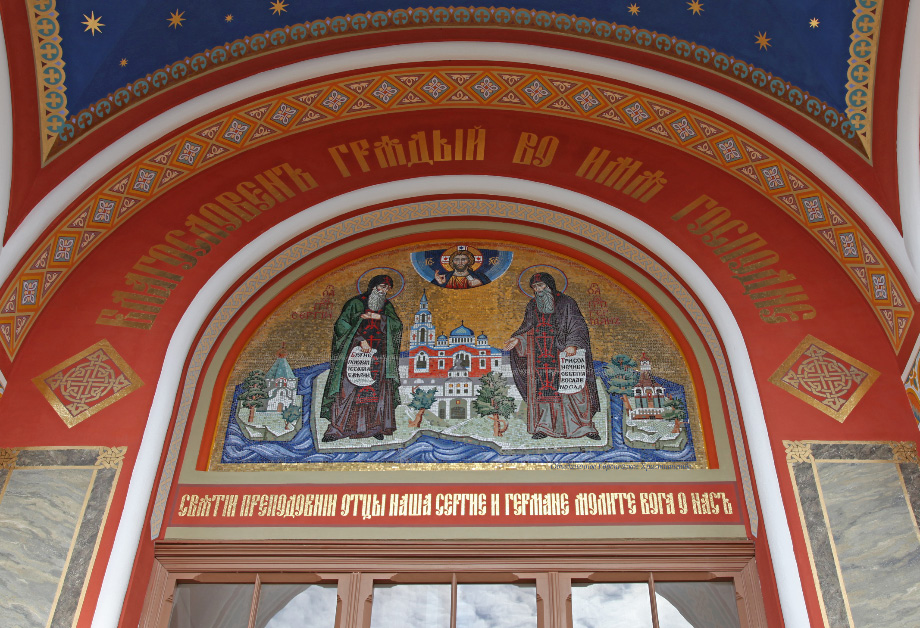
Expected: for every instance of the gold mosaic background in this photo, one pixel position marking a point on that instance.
(495, 309)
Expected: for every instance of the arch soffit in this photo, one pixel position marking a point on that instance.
(625, 108)
(44, 213)
(259, 291)
(213, 306)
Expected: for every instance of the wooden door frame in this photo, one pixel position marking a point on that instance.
(352, 561)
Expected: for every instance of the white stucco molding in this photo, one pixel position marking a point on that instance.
(909, 136)
(128, 535)
(830, 175)
(6, 141)
(911, 361)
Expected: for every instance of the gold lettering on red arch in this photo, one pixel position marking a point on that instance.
(533, 150)
(422, 147)
(157, 273)
(624, 174)
(113, 201)
(749, 262)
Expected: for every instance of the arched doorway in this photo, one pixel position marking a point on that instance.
(458, 409)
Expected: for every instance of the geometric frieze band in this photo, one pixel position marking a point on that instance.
(84, 384)
(861, 69)
(824, 377)
(49, 72)
(506, 88)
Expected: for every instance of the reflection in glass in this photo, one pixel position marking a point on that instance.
(296, 606)
(211, 606)
(411, 606)
(696, 605)
(611, 605)
(496, 606)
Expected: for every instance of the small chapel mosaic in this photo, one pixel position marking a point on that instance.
(458, 353)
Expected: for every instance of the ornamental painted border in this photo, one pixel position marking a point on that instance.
(561, 95)
(911, 385)
(861, 72)
(68, 132)
(408, 213)
(49, 72)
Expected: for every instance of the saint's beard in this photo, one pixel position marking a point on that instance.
(545, 301)
(375, 301)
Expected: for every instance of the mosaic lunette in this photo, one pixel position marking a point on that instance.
(450, 340)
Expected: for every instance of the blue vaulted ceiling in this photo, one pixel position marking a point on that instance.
(806, 42)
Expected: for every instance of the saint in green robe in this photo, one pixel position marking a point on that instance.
(363, 411)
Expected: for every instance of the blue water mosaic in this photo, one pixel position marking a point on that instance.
(429, 449)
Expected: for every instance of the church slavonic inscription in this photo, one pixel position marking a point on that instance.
(157, 273)
(750, 262)
(421, 148)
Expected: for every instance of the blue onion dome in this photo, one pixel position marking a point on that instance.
(461, 331)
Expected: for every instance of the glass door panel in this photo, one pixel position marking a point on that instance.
(411, 606)
(296, 606)
(696, 605)
(611, 605)
(211, 605)
(496, 606)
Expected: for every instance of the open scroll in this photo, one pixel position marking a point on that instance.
(572, 372)
(358, 367)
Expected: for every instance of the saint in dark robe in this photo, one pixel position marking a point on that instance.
(553, 324)
(365, 409)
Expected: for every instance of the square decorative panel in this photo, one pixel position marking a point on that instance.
(729, 150)
(144, 180)
(189, 153)
(587, 100)
(637, 113)
(824, 377)
(486, 87)
(236, 131)
(683, 128)
(435, 87)
(385, 92)
(335, 100)
(536, 91)
(284, 114)
(813, 209)
(83, 385)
